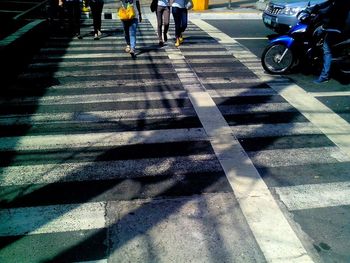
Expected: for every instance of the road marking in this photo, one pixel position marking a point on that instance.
(330, 123)
(262, 213)
(72, 171)
(250, 38)
(303, 156)
(110, 139)
(330, 94)
(52, 219)
(315, 195)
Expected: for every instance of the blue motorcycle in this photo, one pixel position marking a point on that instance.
(302, 45)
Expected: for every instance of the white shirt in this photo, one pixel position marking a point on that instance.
(179, 3)
(163, 2)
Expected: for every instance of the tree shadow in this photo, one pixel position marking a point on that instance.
(172, 171)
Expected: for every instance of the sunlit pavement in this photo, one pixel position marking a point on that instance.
(182, 155)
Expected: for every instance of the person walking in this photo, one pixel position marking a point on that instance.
(180, 13)
(130, 26)
(74, 12)
(96, 7)
(163, 19)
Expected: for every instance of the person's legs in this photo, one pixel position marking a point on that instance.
(133, 28)
(94, 12)
(166, 21)
(177, 19)
(98, 18)
(160, 10)
(76, 18)
(126, 26)
(327, 60)
(184, 19)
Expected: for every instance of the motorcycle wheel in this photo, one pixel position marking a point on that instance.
(344, 65)
(270, 59)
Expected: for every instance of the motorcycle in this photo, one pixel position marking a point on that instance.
(302, 45)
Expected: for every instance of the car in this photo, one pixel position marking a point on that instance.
(281, 15)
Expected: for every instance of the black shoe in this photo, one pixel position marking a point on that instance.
(78, 36)
(161, 43)
(132, 53)
(321, 80)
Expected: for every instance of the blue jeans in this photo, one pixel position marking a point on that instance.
(130, 27)
(327, 58)
(180, 19)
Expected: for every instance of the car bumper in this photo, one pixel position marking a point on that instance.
(279, 23)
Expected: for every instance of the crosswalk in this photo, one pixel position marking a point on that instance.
(106, 158)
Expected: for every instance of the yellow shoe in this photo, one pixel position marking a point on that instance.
(177, 43)
(181, 39)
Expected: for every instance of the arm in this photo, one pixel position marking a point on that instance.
(138, 6)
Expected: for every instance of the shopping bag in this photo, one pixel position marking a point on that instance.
(126, 13)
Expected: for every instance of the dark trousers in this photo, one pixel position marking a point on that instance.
(163, 18)
(73, 11)
(96, 11)
(180, 19)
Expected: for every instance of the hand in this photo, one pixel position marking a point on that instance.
(60, 2)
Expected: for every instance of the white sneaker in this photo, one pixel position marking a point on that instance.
(127, 49)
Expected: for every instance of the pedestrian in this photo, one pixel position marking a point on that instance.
(73, 12)
(96, 7)
(334, 14)
(179, 10)
(163, 18)
(130, 26)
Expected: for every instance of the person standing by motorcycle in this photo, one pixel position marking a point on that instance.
(333, 14)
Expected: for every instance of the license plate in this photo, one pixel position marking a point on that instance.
(268, 20)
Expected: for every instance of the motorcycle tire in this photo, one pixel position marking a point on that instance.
(344, 66)
(270, 59)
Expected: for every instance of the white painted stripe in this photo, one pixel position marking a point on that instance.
(103, 170)
(94, 261)
(90, 55)
(278, 129)
(105, 63)
(250, 38)
(52, 219)
(263, 215)
(90, 72)
(290, 157)
(312, 196)
(115, 83)
(72, 141)
(98, 116)
(330, 123)
(330, 94)
(99, 98)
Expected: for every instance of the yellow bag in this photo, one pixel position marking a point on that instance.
(127, 13)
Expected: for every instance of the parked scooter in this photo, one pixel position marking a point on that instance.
(303, 45)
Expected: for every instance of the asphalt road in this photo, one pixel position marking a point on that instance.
(108, 158)
(327, 227)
